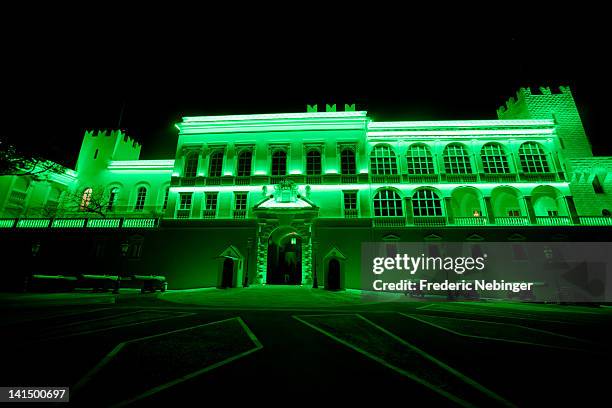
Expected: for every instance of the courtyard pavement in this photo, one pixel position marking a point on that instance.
(278, 345)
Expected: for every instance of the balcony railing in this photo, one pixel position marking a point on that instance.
(188, 181)
(389, 222)
(512, 221)
(348, 178)
(546, 220)
(595, 221)
(183, 214)
(313, 180)
(78, 223)
(239, 214)
(470, 221)
(213, 181)
(503, 177)
(385, 178)
(209, 214)
(351, 213)
(460, 178)
(422, 178)
(538, 177)
(429, 221)
(243, 180)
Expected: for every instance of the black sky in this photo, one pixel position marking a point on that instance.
(68, 81)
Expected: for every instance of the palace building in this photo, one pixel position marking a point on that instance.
(289, 198)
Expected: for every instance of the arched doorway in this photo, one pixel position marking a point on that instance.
(284, 258)
(333, 275)
(227, 277)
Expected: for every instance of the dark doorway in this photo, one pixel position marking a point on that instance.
(285, 260)
(227, 277)
(333, 275)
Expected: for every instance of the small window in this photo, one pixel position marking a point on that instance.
(382, 160)
(514, 213)
(348, 164)
(419, 160)
(494, 160)
(215, 165)
(211, 201)
(96, 154)
(245, 159)
(112, 198)
(426, 203)
(457, 159)
(313, 163)
(191, 164)
(350, 200)
(241, 200)
(553, 213)
(185, 203)
(606, 213)
(141, 198)
(597, 186)
(533, 158)
(279, 163)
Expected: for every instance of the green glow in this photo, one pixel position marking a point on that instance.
(141, 165)
(269, 116)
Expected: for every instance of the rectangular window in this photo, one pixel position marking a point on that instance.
(241, 201)
(553, 213)
(165, 204)
(514, 213)
(210, 207)
(185, 203)
(350, 200)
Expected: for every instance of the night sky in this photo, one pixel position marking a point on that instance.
(59, 87)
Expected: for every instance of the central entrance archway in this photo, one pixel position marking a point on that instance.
(284, 258)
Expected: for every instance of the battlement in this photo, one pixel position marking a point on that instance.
(524, 93)
(113, 134)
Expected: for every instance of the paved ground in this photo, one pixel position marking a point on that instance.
(282, 345)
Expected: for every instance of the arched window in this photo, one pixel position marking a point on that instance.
(313, 163)
(348, 165)
(494, 160)
(388, 203)
(191, 164)
(245, 159)
(141, 197)
(533, 158)
(420, 160)
(279, 163)
(426, 203)
(112, 198)
(456, 159)
(382, 160)
(86, 198)
(215, 165)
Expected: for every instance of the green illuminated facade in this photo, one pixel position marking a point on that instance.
(285, 198)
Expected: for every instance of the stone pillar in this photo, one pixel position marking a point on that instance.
(489, 210)
(409, 212)
(530, 210)
(449, 210)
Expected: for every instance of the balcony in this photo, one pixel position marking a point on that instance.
(277, 179)
(511, 221)
(313, 179)
(351, 213)
(348, 178)
(213, 181)
(538, 177)
(188, 181)
(421, 178)
(460, 178)
(239, 214)
(499, 177)
(429, 221)
(243, 180)
(550, 221)
(389, 222)
(78, 223)
(596, 221)
(470, 221)
(385, 178)
(183, 214)
(209, 214)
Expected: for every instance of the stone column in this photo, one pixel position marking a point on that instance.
(530, 210)
(449, 210)
(489, 209)
(571, 207)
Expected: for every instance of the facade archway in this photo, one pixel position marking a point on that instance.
(466, 202)
(507, 202)
(548, 202)
(284, 257)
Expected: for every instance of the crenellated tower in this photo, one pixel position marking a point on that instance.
(100, 147)
(561, 107)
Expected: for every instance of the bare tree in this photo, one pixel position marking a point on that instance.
(93, 200)
(25, 162)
